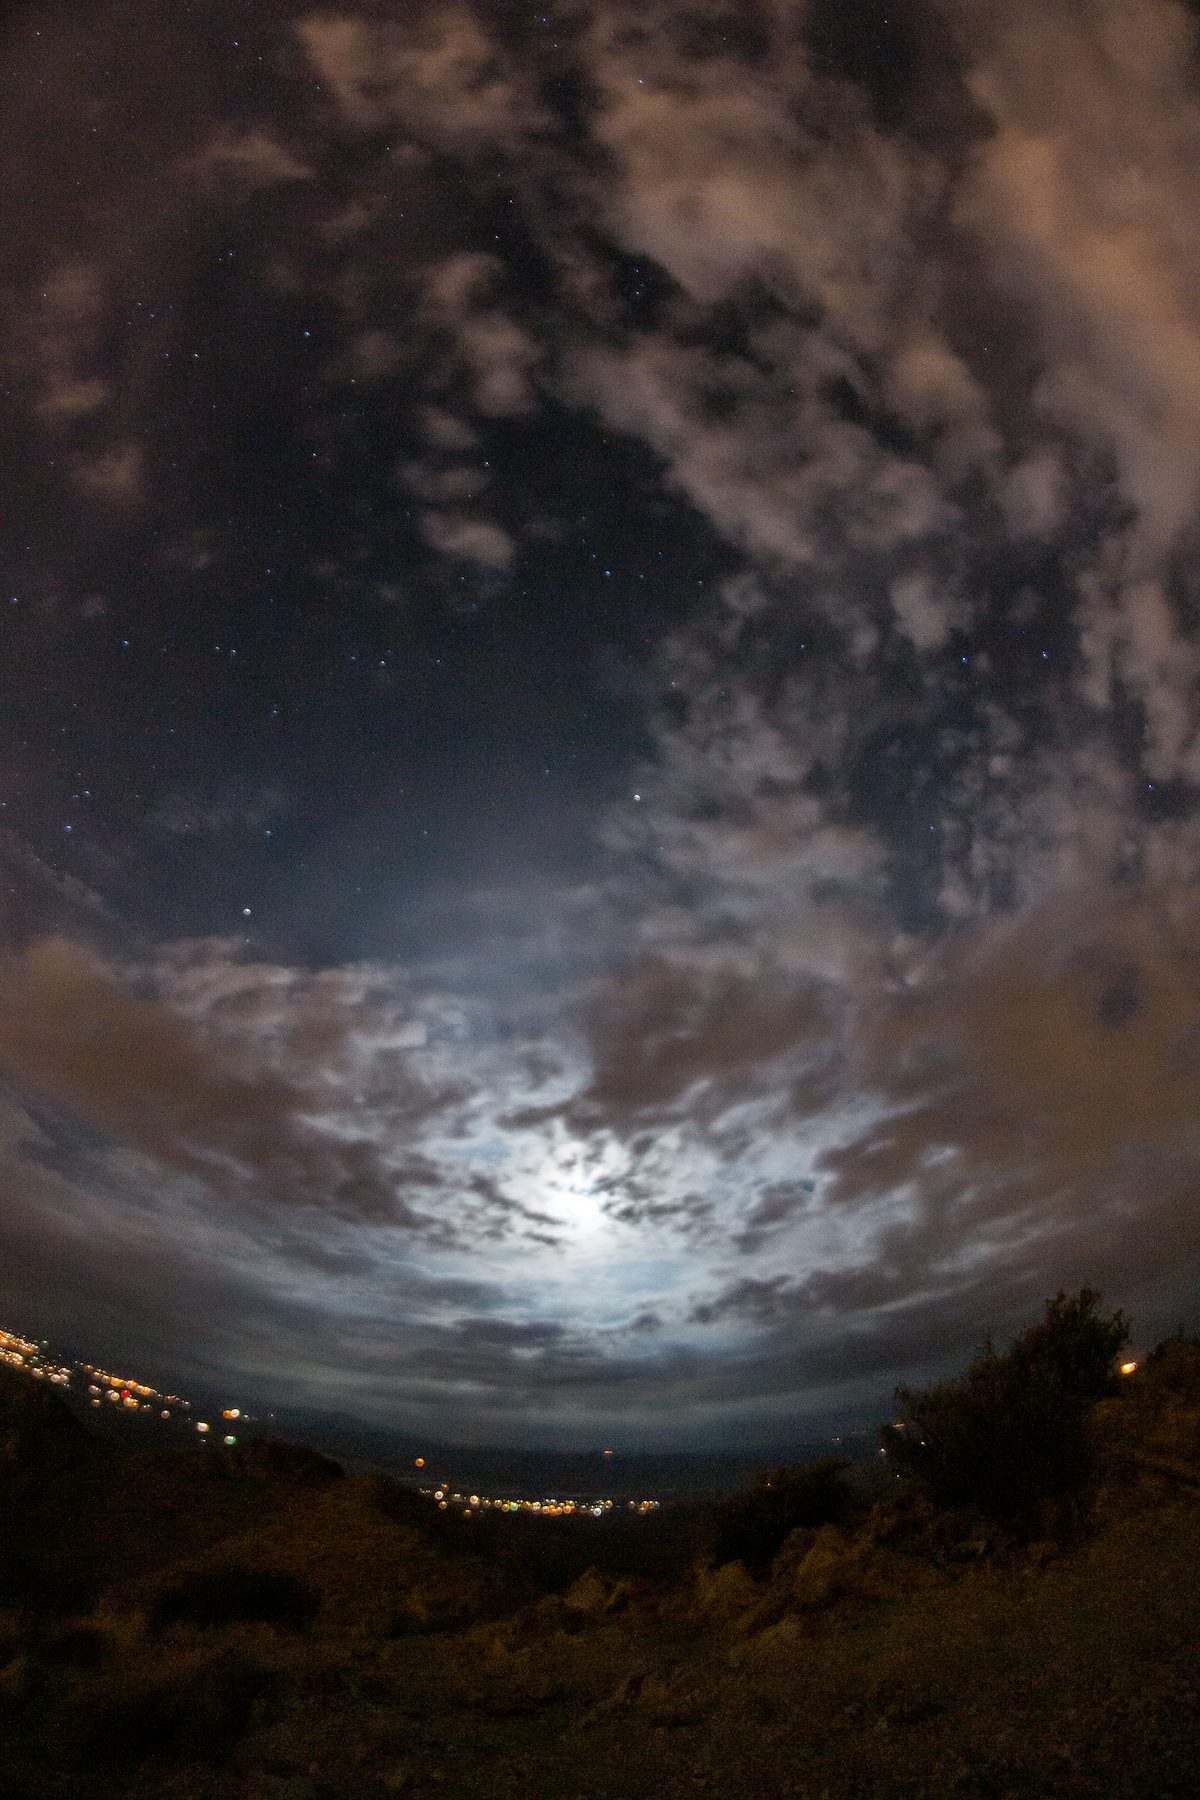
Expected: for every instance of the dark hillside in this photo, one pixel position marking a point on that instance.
(38, 1432)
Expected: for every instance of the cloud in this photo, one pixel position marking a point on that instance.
(254, 156)
(65, 400)
(1034, 496)
(666, 1039)
(804, 319)
(1033, 1094)
(113, 475)
(1130, 640)
(1087, 191)
(64, 327)
(726, 172)
(244, 1119)
(1017, 1112)
(1084, 194)
(775, 1207)
(923, 614)
(471, 539)
(439, 74)
(494, 354)
(34, 887)
(183, 1295)
(456, 482)
(757, 445)
(445, 432)
(375, 353)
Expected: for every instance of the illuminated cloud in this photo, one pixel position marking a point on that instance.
(255, 157)
(440, 73)
(475, 540)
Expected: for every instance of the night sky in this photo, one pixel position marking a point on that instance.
(600, 748)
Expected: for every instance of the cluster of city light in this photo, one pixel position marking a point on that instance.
(102, 1386)
(21, 1353)
(134, 1396)
(552, 1507)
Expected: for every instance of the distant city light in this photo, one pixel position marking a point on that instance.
(552, 1506)
(120, 1391)
(137, 1396)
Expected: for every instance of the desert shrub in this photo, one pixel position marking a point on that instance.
(231, 1594)
(193, 1708)
(1174, 1366)
(1148, 1441)
(1011, 1433)
(751, 1526)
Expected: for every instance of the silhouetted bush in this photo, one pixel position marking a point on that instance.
(232, 1594)
(1174, 1365)
(39, 1434)
(1011, 1432)
(193, 1708)
(751, 1526)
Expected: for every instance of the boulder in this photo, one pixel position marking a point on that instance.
(727, 1591)
(833, 1565)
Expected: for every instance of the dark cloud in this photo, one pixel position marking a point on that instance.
(132, 1068)
(776, 1205)
(1032, 1111)
(663, 1036)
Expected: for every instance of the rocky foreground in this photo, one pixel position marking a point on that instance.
(178, 1625)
